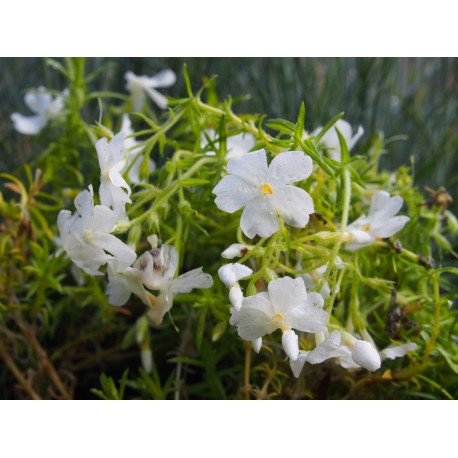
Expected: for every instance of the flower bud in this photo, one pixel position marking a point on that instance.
(290, 342)
(236, 250)
(230, 274)
(257, 344)
(236, 297)
(365, 354)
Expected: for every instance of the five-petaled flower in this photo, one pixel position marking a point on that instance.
(45, 108)
(139, 85)
(380, 223)
(86, 235)
(286, 306)
(330, 139)
(265, 190)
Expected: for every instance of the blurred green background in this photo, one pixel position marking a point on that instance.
(414, 101)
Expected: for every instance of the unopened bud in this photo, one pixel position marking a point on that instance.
(257, 344)
(236, 297)
(290, 342)
(366, 356)
(236, 250)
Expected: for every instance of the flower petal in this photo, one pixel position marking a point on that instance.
(259, 217)
(160, 99)
(116, 247)
(38, 101)
(398, 351)
(324, 351)
(251, 167)
(289, 167)
(311, 317)
(286, 294)
(28, 125)
(298, 364)
(293, 204)
(230, 274)
(164, 78)
(392, 226)
(233, 193)
(190, 280)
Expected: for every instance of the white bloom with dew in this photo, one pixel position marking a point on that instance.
(86, 235)
(286, 306)
(114, 191)
(330, 139)
(230, 274)
(236, 145)
(236, 250)
(133, 149)
(380, 223)
(265, 190)
(45, 108)
(138, 86)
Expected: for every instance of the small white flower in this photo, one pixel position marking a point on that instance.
(139, 85)
(230, 274)
(236, 145)
(112, 160)
(286, 306)
(265, 190)
(133, 148)
(86, 235)
(380, 222)
(159, 267)
(236, 250)
(330, 139)
(45, 108)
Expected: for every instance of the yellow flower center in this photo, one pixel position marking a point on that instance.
(367, 228)
(277, 319)
(266, 189)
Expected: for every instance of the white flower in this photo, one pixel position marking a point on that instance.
(236, 250)
(86, 235)
(353, 354)
(330, 139)
(313, 277)
(264, 191)
(138, 85)
(236, 145)
(380, 222)
(133, 148)
(286, 306)
(45, 108)
(159, 267)
(112, 159)
(230, 274)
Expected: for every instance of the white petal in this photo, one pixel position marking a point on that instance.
(257, 344)
(365, 355)
(147, 360)
(290, 343)
(251, 167)
(286, 294)
(230, 274)
(379, 201)
(293, 204)
(236, 250)
(164, 78)
(259, 218)
(103, 219)
(38, 101)
(116, 247)
(236, 297)
(84, 205)
(398, 351)
(159, 306)
(324, 351)
(254, 319)
(117, 290)
(289, 167)
(298, 364)
(160, 100)
(312, 317)
(117, 179)
(28, 125)
(239, 145)
(190, 280)
(352, 142)
(233, 193)
(392, 226)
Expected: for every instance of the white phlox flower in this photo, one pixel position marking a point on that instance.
(286, 306)
(114, 191)
(86, 235)
(351, 354)
(236, 250)
(230, 274)
(133, 148)
(158, 268)
(236, 145)
(380, 223)
(265, 190)
(139, 85)
(45, 107)
(330, 139)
